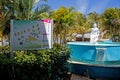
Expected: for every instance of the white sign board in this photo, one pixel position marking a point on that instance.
(31, 34)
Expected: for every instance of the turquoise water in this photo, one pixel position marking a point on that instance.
(100, 54)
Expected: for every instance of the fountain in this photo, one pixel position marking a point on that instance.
(96, 59)
(94, 37)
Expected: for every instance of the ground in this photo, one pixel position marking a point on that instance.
(79, 77)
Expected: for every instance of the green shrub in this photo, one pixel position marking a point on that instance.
(49, 64)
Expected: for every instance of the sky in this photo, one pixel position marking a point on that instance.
(85, 6)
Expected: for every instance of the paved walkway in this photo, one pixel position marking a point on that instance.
(78, 77)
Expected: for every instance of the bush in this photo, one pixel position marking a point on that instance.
(50, 64)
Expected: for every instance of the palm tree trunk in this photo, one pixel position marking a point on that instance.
(83, 37)
(60, 33)
(8, 38)
(2, 41)
(64, 40)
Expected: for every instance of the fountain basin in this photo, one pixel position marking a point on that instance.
(100, 60)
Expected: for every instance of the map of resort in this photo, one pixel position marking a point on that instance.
(28, 34)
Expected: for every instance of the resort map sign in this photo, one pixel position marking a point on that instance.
(31, 34)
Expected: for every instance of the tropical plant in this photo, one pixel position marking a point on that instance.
(50, 64)
(21, 9)
(108, 22)
(111, 17)
(63, 18)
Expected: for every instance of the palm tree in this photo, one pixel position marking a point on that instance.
(22, 10)
(28, 10)
(3, 12)
(63, 20)
(111, 17)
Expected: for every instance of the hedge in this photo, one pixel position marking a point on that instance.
(49, 64)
